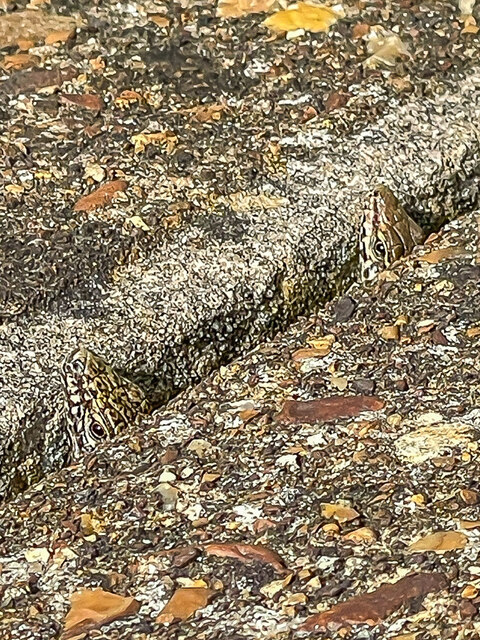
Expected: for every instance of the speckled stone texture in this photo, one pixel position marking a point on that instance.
(243, 224)
(220, 465)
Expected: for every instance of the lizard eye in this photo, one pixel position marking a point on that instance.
(379, 248)
(98, 431)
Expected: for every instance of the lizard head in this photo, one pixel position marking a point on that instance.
(386, 233)
(100, 402)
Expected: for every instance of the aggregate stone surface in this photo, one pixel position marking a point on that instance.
(226, 225)
(339, 502)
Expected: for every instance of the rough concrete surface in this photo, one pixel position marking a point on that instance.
(166, 304)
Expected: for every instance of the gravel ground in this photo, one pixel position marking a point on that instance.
(239, 214)
(335, 449)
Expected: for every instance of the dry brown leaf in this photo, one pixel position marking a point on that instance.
(371, 608)
(60, 35)
(142, 140)
(127, 97)
(19, 61)
(438, 255)
(469, 496)
(238, 8)
(159, 19)
(469, 524)
(184, 603)
(390, 332)
(470, 591)
(326, 409)
(207, 112)
(31, 25)
(246, 553)
(272, 588)
(101, 196)
(323, 343)
(87, 100)
(473, 332)
(470, 25)
(339, 512)
(384, 50)
(24, 44)
(364, 534)
(360, 29)
(314, 18)
(440, 541)
(91, 609)
(308, 352)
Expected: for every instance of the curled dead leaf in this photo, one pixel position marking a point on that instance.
(440, 541)
(338, 512)
(246, 553)
(91, 609)
(101, 196)
(184, 603)
(314, 18)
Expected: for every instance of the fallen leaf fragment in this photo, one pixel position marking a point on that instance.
(361, 535)
(390, 332)
(323, 343)
(384, 49)
(207, 112)
(469, 496)
(440, 541)
(325, 409)
(339, 512)
(360, 29)
(87, 101)
(184, 603)
(101, 196)
(127, 97)
(307, 353)
(37, 554)
(32, 25)
(438, 255)
(272, 588)
(473, 332)
(314, 18)
(469, 524)
(59, 35)
(470, 591)
(371, 608)
(91, 609)
(246, 553)
(238, 8)
(159, 19)
(142, 140)
(433, 440)
(19, 61)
